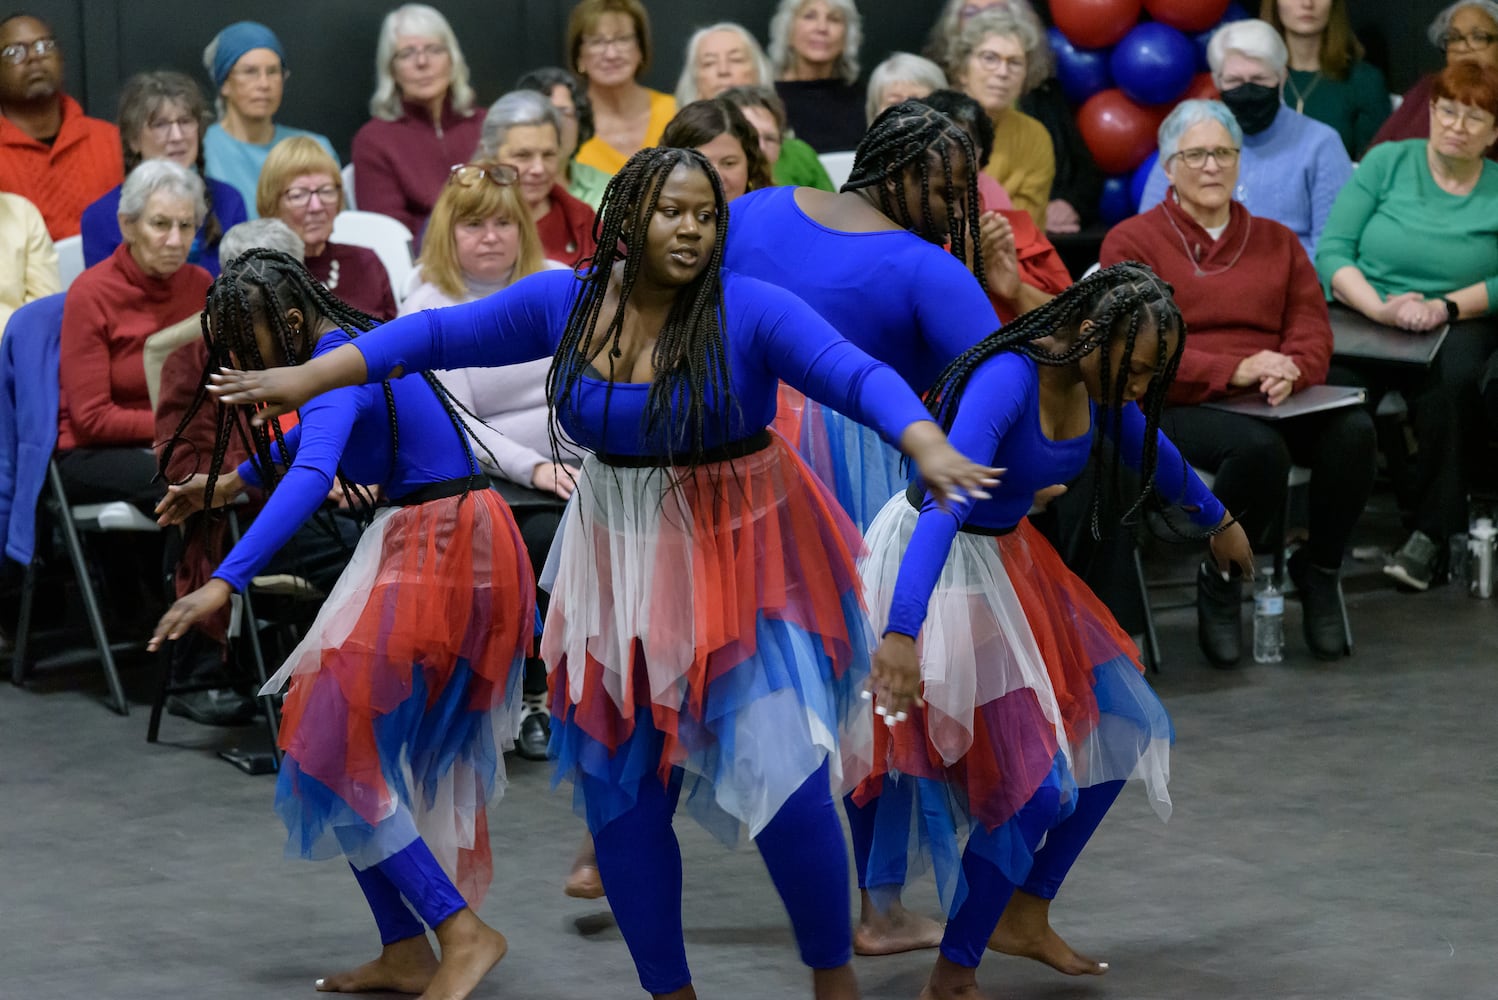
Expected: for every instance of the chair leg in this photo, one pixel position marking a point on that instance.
(252, 636)
(158, 704)
(23, 626)
(1151, 639)
(1346, 621)
(86, 587)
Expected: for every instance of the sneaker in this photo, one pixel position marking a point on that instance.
(218, 707)
(535, 728)
(1414, 565)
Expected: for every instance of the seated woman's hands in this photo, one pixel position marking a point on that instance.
(1061, 217)
(555, 477)
(1272, 373)
(1411, 311)
(1000, 258)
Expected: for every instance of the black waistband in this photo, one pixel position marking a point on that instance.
(722, 453)
(439, 491)
(915, 496)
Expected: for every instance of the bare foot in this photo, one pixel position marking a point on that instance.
(403, 967)
(1025, 930)
(950, 981)
(470, 948)
(894, 931)
(584, 882)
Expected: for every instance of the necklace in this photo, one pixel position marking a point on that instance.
(1300, 96)
(1195, 261)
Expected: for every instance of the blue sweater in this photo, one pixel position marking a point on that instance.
(100, 226)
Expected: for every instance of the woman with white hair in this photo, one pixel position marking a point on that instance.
(1292, 166)
(814, 51)
(523, 130)
(1467, 31)
(423, 119)
(720, 56)
(901, 77)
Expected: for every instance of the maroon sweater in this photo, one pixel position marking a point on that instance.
(400, 166)
(109, 312)
(1252, 290)
(355, 275)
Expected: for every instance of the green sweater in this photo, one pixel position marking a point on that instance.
(1355, 107)
(798, 166)
(1395, 225)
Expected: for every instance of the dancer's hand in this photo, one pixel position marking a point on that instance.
(280, 390)
(182, 500)
(946, 472)
(193, 608)
(1230, 548)
(895, 679)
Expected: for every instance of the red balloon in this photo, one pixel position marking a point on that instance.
(1095, 24)
(1119, 133)
(1202, 89)
(1187, 15)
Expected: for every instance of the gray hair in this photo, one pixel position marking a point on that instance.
(516, 109)
(1441, 26)
(901, 67)
(1189, 113)
(949, 27)
(270, 233)
(686, 84)
(163, 177)
(425, 22)
(1025, 29)
(1252, 39)
(780, 37)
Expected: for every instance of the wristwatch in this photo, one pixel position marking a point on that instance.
(1453, 311)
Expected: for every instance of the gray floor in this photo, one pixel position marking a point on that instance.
(1334, 836)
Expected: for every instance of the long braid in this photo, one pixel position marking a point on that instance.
(904, 142)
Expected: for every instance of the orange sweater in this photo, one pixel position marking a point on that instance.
(84, 162)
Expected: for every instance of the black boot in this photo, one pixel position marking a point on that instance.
(1219, 616)
(1321, 607)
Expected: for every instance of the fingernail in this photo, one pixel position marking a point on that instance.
(890, 720)
(901, 716)
(1226, 577)
(980, 494)
(1102, 965)
(318, 983)
(881, 710)
(866, 694)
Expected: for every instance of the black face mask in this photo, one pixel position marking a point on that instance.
(1254, 105)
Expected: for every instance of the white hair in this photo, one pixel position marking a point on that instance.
(901, 67)
(1008, 22)
(164, 177)
(780, 36)
(1252, 39)
(269, 233)
(1441, 26)
(421, 21)
(1194, 112)
(516, 109)
(686, 84)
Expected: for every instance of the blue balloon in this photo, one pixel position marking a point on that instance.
(1115, 206)
(1141, 178)
(1154, 63)
(1082, 72)
(1235, 12)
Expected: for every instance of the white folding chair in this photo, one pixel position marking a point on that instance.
(387, 237)
(838, 167)
(348, 187)
(69, 259)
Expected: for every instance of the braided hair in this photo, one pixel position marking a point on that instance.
(911, 137)
(1120, 301)
(263, 283)
(690, 357)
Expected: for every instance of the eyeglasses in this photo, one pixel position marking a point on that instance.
(248, 74)
(411, 53)
(599, 44)
(1476, 40)
(187, 124)
(298, 197)
(1457, 116)
(1196, 158)
(16, 54)
(993, 62)
(469, 174)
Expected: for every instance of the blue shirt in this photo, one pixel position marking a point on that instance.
(100, 226)
(238, 163)
(1291, 172)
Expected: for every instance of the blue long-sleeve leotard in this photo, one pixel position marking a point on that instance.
(903, 300)
(350, 428)
(770, 335)
(999, 416)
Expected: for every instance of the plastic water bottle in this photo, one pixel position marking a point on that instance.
(1269, 623)
(1482, 539)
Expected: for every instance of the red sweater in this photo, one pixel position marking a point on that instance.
(567, 230)
(83, 163)
(109, 312)
(400, 166)
(1259, 292)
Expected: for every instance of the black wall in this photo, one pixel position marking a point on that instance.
(330, 43)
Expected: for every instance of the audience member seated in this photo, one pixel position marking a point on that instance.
(300, 185)
(792, 162)
(1292, 166)
(608, 42)
(814, 54)
(1329, 80)
(583, 182)
(1259, 326)
(28, 260)
(1413, 242)
(990, 61)
(51, 153)
(720, 56)
(523, 131)
(1467, 31)
(1078, 184)
(901, 77)
(423, 117)
(161, 116)
(719, 131)
(248, 66)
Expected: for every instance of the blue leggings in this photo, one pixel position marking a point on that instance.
(639, 861)
(411, 872)
(988, 891)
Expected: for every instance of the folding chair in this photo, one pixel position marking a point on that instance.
(388, 238)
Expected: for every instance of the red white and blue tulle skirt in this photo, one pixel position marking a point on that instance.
(1026, 680)
(405, 692)
(862, 470)
(711, 631)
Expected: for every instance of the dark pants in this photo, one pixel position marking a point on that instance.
(130, 563)
(105, 475)
(537, 515)
(1250, 460)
